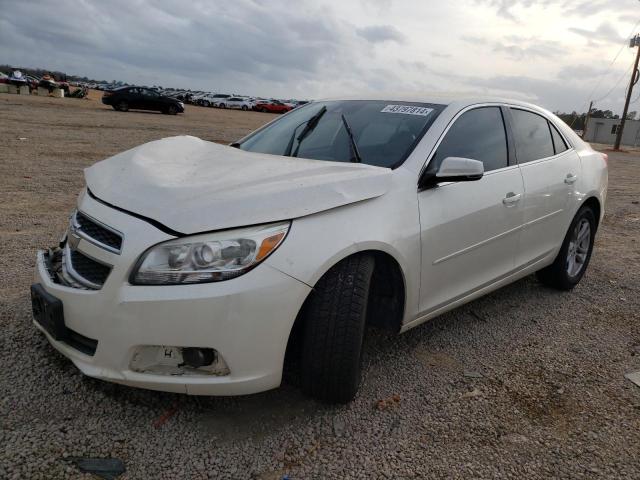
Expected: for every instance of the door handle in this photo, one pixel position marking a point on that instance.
(570, 179)
(511, 198)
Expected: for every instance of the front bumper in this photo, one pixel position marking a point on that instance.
(247, 320)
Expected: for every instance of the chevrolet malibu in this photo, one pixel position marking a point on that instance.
(194, 267)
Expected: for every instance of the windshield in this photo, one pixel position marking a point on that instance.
(384, 132)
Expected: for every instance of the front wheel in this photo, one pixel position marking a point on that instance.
(574, 255)
(172, 110)
(122, 106)
(333, 331)
(245, 108)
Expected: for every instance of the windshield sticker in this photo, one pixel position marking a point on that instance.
(407, 110)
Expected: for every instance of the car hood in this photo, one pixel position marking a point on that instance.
(191, 185)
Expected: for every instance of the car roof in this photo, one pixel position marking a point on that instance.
(439, 98)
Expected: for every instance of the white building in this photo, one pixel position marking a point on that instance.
(604, 130)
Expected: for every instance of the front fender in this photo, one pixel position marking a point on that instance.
(386, 224)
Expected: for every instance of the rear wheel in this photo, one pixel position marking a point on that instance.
(122, 106)
(245, 108)
(574, 255)
(205, 103)
(333, 331)
(222, 105)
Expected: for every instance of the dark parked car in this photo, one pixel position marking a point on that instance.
(139, 98)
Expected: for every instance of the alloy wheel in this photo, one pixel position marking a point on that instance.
(578, 247)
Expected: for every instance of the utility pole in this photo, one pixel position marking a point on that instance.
(586, 120)
(635, 42)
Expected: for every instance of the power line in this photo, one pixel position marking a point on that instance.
(615, 85)
(612, 61)
(602, 75)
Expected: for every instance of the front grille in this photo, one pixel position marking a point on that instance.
(97, 233)
(88, 269)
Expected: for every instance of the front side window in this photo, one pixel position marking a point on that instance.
(478, 134)
(384, 132)
(532, 136)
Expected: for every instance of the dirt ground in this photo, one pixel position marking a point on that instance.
(526, 382)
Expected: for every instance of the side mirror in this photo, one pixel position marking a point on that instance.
(453, 169)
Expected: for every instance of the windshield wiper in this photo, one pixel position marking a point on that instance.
(308, 128)
(354, 147)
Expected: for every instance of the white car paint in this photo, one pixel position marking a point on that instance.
(452, 243)
(179, 181)
(237, 103)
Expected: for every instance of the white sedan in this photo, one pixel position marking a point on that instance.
(194, 267)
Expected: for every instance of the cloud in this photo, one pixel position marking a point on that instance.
(320, 48)
(605, 32)
(580, 72)
(381, 33)
(576, 8)
(528, 49)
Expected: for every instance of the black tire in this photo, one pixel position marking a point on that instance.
(334, 324)
(205, 103)
(222, 105)
(122, 106)
(172, 110)
(245, 108)
(264, 110)
(557, 274)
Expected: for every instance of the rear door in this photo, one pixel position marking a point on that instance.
(469, 230)
(550, 170)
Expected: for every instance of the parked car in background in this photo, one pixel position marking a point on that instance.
(272, 106)
(236, 103)
(140, 98)
(194, 267)
(33, 81)
(209, 100)
(219, 98)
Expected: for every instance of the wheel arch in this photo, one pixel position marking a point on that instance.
(385, 310)
(387, 300)
(593, 202)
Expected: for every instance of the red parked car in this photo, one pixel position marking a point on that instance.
(273, 106)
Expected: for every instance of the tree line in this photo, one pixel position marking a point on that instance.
(577, 120)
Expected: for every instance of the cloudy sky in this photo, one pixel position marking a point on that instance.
(557, 53)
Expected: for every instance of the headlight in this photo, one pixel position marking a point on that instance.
(210, 257)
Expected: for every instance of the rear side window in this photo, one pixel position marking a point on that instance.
(478, 134)
(532, 136)
(559, 145)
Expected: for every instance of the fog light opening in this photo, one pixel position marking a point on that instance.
(169, 360)
(198, 357)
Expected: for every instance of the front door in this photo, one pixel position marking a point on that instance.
(470, 230)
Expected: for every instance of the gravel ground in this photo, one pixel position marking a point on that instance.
(526, 382)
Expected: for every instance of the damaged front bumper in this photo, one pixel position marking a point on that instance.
(140, 335)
